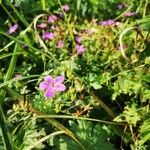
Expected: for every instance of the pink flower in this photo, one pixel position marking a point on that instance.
(66, 8)
(121, 6)
(123, 46)
(129, 14)
(48, 36)
(80, 49)
(17, 76)
(42, 25)
(78, 39)
(52, 85)
(60, 44)
(52, 19)
(109, 22)
(12, 29)
(89, 32)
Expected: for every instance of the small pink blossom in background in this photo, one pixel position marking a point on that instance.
(42, 25)
(48, 36)
(89, 32)
(78, 39)
(129, 14)
(66, 8)
(55, 28)
(121, 6)
(13, 28)
(52, 85)
(80, 49)
(109, 22)
(17, 76)
(124, 46)
(60, 44)
(52, 19)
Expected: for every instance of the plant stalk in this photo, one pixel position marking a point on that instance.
(43, 4)
(5, 131)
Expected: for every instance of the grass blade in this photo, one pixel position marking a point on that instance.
(5, 131)
(44, 139)
(9, 74)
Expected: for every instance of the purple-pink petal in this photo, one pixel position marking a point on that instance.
(43, 85)
(121, 5)
(49, 79)
(109, 22)
(13, 28)
(80, 49)
(42, 25)
(59, 79)
(129, 14)
(65, 7)
(52, 19)
(52, 85)
(49, 93)
(78, 39)
(48, 35)
(60, 87)
(60, 44)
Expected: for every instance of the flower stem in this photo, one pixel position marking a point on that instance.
(43, 4)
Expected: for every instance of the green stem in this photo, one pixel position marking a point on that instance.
(19, 16)
(5, 9)
(44, 139)
(14, 94)
(5, 131)
(10, 71)
(43, 4)
(82, 118)
(5, 83)
(4, 127)
(145, 8)
(12, 65)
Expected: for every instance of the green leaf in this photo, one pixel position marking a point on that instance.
(96, 85)
(145, 131)
(25, 132)
(1, 142)
(130, 115)
(91, 137)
